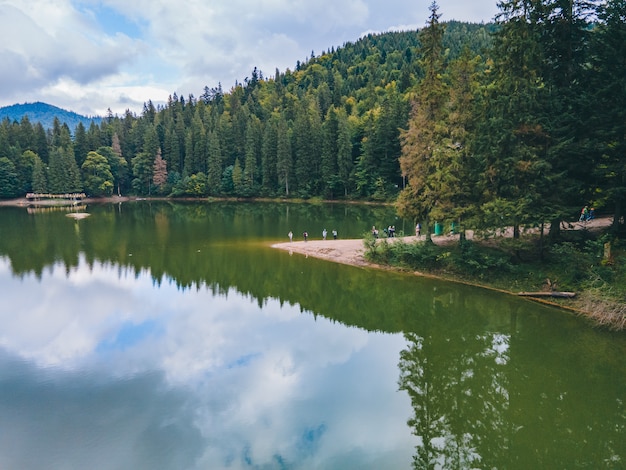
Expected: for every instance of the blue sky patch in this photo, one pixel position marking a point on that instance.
(129, 335)
(110, 21)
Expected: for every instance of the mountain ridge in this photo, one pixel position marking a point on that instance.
(45, 113)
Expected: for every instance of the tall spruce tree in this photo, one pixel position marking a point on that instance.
(517, 178)
(284, 158)
(269, 177)
(422, 141)
(214, 164)
(40, 180)
(608, 109)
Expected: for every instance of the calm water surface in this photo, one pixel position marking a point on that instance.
(170, 336)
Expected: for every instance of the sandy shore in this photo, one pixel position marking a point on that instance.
(352, 251)
(340, 251)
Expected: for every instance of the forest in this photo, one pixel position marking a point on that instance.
(513, 123)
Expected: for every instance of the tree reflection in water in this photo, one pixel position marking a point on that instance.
(455, 408)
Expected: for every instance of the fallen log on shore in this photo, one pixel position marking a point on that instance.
(566, 295)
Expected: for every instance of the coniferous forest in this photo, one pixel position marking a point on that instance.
(517, 122)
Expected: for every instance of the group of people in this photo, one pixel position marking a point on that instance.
(389, 231)
(587, 214)
(305, 235)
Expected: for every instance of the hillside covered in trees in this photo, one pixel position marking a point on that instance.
(517, 122)
(44, 113)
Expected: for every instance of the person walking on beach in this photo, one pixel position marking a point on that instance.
(334, 234)
(418, 229)
(584, 214)
(324, 234)
(305, 235)
(290, 235)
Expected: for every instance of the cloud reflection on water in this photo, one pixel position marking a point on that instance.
(231, 383)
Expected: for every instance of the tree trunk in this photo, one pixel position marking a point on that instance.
(555, 229)
(541, 242)
(617, 216)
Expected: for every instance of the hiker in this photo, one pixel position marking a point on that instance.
(584, 214)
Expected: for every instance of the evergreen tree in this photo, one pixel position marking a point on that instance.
(214, 165)
(250, 171)
(422, 142)
(306, 148)
(8, 178)
(24, 169)
(40, 142)
(284, 158)
(63, 173)
(40, 181)
(118, 164)
(345, 164)
(565, 42)
(94, 137)
(142, 165)
(608, 104)
(330, 142)
(81, 145)
(457, 168)
(237, 176)
(517, 177)
(269, 177)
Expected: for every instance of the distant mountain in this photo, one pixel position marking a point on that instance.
(45, 114)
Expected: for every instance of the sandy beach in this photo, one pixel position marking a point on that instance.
(351, 251)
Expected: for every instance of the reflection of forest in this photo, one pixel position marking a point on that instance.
(513, 397)
(218, 246)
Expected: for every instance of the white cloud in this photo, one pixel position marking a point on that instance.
(263, 381)
(119, 54)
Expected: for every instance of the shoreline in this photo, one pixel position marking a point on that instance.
(352, 252)
(344, 251)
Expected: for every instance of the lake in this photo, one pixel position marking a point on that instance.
(159, 335)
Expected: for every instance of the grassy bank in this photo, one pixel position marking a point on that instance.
(580, 262)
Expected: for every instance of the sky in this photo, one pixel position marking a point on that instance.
(89, 56)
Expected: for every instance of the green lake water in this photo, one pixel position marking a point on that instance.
(171, 336)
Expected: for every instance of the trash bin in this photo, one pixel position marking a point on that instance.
(438, 228)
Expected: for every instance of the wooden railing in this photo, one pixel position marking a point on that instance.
(70, 196)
